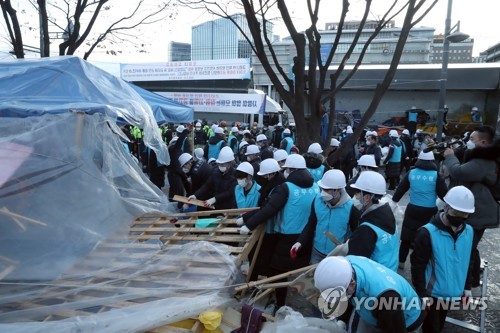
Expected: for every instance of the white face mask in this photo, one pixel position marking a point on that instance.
(327, 197)
(286, 174)
(185, 170)
(368, 142)
(242, 182)
(471, 145)
(222, 169)
(357, 203)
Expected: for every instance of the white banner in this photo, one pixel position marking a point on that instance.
(215, 102)
(187, 70)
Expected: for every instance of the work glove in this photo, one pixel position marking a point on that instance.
(295, 248)
(239, 221)
(244, 230)
(209, 202)
(192, 197)
(185, 207)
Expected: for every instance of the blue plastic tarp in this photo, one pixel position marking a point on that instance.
(164, 109)
(57, 85)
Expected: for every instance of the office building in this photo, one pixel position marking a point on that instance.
(179, 51)
(460, 53)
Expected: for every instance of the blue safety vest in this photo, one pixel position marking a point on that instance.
(372, 280)
(386, 249)
(250, 199)
(334, 220)
(295, 214)
(289, 144)
(230, 140)
(214, 150)
(396, 154)
(317, 173)
(412, 116)
(446, 270)
(423, 187)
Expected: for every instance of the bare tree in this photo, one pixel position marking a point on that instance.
(12, 23)
(308, 42)
(79, 23)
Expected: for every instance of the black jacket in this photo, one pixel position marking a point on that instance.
(199, 173)
(221, 186)
(363, 240)
(375, 151)
(422, 253)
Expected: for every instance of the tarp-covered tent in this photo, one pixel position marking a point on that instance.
(66, 182)
(165, 110)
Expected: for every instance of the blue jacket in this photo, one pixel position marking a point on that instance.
(372, 280)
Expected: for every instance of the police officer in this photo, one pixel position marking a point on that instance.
(425, 184)
(246, 191)
(376, 237)
(332, 211)
(441, 256)
(385, 300)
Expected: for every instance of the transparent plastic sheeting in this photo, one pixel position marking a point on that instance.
(66, 183)
(58, 84)
(155, 288)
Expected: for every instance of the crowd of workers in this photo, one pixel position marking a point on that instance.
(307, 199)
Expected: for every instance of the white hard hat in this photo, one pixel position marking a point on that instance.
(198, 124)
(268, 166)
(252, 149)
(234, 129)
(315, 148)
(460, 198)
(210, 160)
(295, 161)
(349, 130)
(406, 132)
(393, 133)
(332, 180)
(367, 161)
(243, 144)
(246, 131)
(429, 156)
(213, 127)
(333, 272)
(292, 124)
(184, 158)
(180, 128)
(219, 130)
(246, 168)
(279, 124)
(198, 153)
(419, 131)
(261, 137)
(280, 155)
(334, 142)
(371, 182)
(287, 131)
(225, 155)
(474, 108)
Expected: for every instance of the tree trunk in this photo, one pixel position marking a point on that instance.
(16, 37)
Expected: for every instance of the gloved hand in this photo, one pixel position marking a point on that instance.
(209, 202)
(295, 248)
(239, 221)
(192, 197)
(185, 207)
(244, 230)
(342, 325)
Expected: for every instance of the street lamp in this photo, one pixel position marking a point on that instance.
(454, 37)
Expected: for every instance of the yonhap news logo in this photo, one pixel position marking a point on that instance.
(333, 302)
